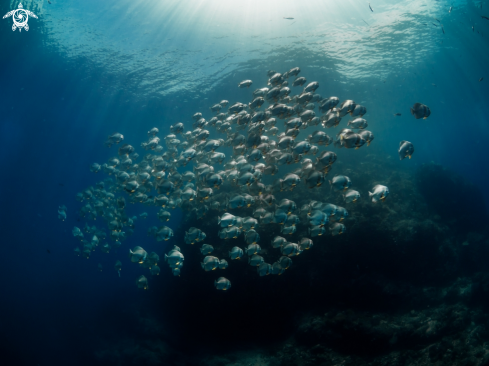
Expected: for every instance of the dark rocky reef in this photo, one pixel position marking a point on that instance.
(405, 285)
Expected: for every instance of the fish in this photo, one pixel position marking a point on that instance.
(483, 16)
(264, 269)
(299, 81)
(142, 282)
(278, 242)
(227, 219)
(62, 213)
(206, 249)
(222, 283)
(236, 253)
(288, 18)
(194, 235)
(252, 237)
(406, 150)
(252, 249)
(311, 87)
(277, 269)
(288, 229)
(291, 249)
(292, 72)
(372, 10)
(359, 110)
(368, 136)
(210, 263)
(305, 244)
(314, 179)
(341, 213)
(420, 111)
(317, 218)
(255, 260)
(340, 182)
(450, 10)
(230, 232)
(155, 270)
(174, 258)
(118, 267)
(280, 217)
(346, 107)
(481, 79)
(380, 192)
(337, 229)
(223, 264)
(397, 114)
(358, 123)
(285, 262)
(351, 196)
(163, 233)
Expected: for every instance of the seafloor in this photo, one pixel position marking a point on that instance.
(407, 284)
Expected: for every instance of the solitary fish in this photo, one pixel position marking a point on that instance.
(420, 111)
(406, 149)
(372, 10)
(288, 18)
(483, 16)
(481, 79)
(397, 114)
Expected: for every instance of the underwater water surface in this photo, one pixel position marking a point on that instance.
(406, 282)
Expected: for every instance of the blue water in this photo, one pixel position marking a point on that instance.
(87, 69)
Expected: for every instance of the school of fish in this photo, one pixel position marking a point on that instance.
(262, 138)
